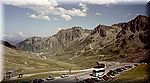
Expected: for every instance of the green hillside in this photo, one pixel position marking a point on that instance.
(140, 74)
(27, 63)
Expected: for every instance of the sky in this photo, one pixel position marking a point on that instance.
(44, 18)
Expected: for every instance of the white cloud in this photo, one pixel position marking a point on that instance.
(44, 8)
(21, 34)
(101, 2)
(39, 17)
(24, 3)
(68, 14)
(72, 12)
(83, 6)
(98, 14)
(76, 12)
(56, 19)
(8, 35)
(66, 17)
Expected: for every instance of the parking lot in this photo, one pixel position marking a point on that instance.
(110, 73)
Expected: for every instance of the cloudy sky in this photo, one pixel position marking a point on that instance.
(45, 17)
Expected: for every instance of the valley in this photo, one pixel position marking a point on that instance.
(80, 49)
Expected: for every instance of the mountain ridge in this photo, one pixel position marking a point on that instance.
(117, 39)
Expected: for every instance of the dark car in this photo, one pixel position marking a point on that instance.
(135, 64)
(105, 77)
(111, 72)
(128, 67)
(88, 80)
(123, 68)
(96, 79)
(119, 70)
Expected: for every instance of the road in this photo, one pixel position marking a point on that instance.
(84, 75)
(62, 71)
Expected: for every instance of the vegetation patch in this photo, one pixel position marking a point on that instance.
(139, 74)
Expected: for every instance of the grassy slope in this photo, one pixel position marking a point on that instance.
(84, 61)
(136, 75)
(23, 61)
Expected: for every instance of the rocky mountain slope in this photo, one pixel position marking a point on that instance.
(55, 43)
(124, 40)
(132, 41)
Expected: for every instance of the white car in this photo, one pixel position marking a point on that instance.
(64, 75)
(50, 78)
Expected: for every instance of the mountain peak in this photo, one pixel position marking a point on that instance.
(140, 17)
(76, 27)
(101, 30)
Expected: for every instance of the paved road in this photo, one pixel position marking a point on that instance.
(63, 71)
(85, 74)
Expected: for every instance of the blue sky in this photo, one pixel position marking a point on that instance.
(27, 21)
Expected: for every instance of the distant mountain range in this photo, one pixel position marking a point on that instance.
(129, 41)
(15, 38)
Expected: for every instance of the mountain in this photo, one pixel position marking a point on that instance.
(55, 43)
(127, 41)
(7, 44)
(98, 38)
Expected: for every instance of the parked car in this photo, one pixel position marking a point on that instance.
(119, 70)
(101, 78)
(128, 67)
(64, 75)
(135, 64)
(50, 78)
(116, 72)
(105, 77)
(88, 80)
(123, 68)
(96, 79)
(111, 72)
